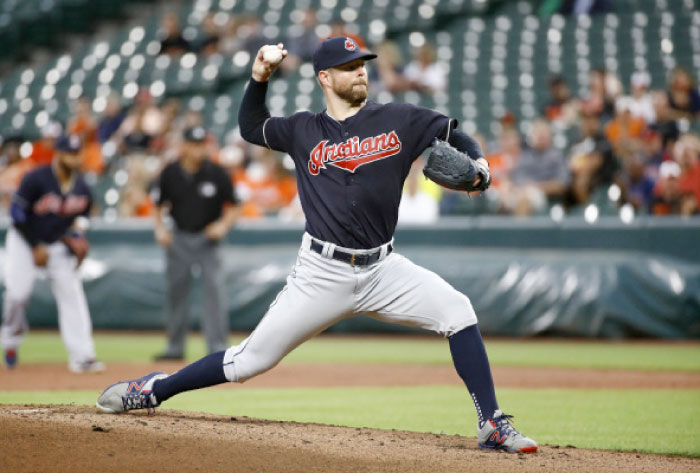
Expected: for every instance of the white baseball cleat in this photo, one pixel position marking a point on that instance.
(497, 433)
(133, 394)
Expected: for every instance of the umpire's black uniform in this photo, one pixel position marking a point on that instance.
(196, 199)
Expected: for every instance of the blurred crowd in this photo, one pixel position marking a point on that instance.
(125, 149)
(628, 144)
(620, 146)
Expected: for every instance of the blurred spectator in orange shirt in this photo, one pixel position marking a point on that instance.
(135, 200)
(43, 149)
(84, 125)
(623, 130)
(264, 186)
(340, 28)
(502, 162)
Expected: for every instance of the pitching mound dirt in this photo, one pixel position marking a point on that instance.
(78, 439)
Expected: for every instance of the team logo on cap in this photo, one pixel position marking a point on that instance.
(350, 44)
(353, 153)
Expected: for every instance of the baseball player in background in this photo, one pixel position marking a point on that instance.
(49, 215)
(351, 160)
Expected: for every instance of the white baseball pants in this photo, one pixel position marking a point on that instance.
(321, 291)
(73, 313)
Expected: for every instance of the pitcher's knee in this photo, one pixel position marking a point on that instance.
(242, 363)
(456, 318)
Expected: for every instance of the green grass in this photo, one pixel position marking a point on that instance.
(662, 421)
(119, 347)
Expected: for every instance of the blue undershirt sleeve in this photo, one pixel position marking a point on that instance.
(466, 144)
(19, 220)
(20, 208)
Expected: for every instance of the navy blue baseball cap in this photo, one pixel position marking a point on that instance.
(68, 143)
(336, 51)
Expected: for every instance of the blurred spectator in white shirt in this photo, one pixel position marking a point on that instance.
(417, 206)
(388, 69)
(641, 104)
(429, 75)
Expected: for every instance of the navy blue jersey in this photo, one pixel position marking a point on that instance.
(350, 174)
(43, 211)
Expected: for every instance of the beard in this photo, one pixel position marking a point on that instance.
(69, 164)
(355, 94)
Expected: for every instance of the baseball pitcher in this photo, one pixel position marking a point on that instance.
(351, 160)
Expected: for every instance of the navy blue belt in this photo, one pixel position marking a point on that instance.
(362, 259)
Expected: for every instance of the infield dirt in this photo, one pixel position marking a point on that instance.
(78, 439)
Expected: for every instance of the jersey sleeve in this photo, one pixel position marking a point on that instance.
(26, 195)
(278, 133)
(428, 125)
(21, 207)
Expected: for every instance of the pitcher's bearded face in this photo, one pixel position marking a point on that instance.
(349, 81)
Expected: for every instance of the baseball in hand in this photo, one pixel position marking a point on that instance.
(272, 55)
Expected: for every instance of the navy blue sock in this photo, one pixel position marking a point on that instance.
(208, 371)
(472, 364)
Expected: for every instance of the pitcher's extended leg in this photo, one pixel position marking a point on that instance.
(319, 292)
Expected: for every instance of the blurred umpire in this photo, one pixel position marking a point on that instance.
(199, 196)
